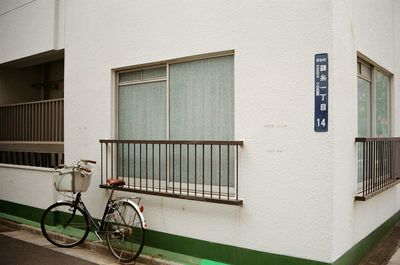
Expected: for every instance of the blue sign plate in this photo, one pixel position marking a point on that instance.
(321, 92)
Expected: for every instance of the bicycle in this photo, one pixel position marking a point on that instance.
(66, 223)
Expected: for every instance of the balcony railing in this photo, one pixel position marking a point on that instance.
(32, 133)
(194, 170)
(378, 165)
(34, 121)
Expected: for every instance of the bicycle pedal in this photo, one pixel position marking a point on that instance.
(98, 241)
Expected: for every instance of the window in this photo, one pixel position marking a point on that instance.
(182, 100)
(374, 120)
(374, 97)
(194, 101)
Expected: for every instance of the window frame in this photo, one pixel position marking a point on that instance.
(166, 64)
(374, 67)
(153, 65)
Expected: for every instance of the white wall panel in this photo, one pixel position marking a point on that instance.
(30, 27)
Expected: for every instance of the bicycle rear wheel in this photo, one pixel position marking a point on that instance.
(64, 224)
(125, 233)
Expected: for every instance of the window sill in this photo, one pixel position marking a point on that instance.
(375, 193)
(215, 199)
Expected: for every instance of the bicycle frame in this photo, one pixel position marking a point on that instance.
(67, 223)
(99, 228)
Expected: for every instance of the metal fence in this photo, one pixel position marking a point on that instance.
(32, 133)
(378, 164)
(49, 160)
(196, 170)
(33, 121)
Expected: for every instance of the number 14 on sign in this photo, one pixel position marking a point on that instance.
(321, 122)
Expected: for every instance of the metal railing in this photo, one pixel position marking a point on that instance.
(33, 121)
(49, 160)
(378, 165)
(195, 170)
(32, 133)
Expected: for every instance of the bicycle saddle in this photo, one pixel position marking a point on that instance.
(115, 182)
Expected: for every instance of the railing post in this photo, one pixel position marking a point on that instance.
(152, 160)
(219, 169)
(129, 165)
(101, 163)
(227, 175)
(195, 170)
(237, 173)
(187, 169)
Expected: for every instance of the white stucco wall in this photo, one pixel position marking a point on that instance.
(375, 36)
(28, 186)
(30, 27)
(371, 28)
(285, 179)
(344, 117)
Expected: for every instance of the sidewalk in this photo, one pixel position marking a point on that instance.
(395, 260)
(387, 251)
(15, 251)
(15, 234)
(89, 251)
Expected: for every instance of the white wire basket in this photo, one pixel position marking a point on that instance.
(73, 179)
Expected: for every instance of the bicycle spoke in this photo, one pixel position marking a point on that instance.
(64, 227)
(126, 241)
(120, 254)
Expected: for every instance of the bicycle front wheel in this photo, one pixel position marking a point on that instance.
(64, 224)
(125, 233)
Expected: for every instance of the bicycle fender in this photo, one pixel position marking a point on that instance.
(59, 201)
(134, 205)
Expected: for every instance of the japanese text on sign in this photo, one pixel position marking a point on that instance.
(321, 92)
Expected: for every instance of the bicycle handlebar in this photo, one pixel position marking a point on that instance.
(86, 170)
(76, 164)
(59, 166)
(88, 161)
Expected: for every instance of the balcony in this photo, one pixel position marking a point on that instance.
(195, 170)
(378, 165)
(32, 133)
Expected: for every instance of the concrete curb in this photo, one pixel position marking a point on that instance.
(96, 247)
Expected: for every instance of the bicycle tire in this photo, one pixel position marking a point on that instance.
(125, 232)
(64, 227)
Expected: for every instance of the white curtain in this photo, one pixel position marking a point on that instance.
(201, 99)
(142, 116)
(202, 108)
(142, 111)
(382, 118)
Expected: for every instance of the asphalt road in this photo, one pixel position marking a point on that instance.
(14, 251)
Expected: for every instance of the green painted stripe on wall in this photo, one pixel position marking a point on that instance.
(218, 254)
(360, 250)
(211, 262)
(184, 245)
(21, 210)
